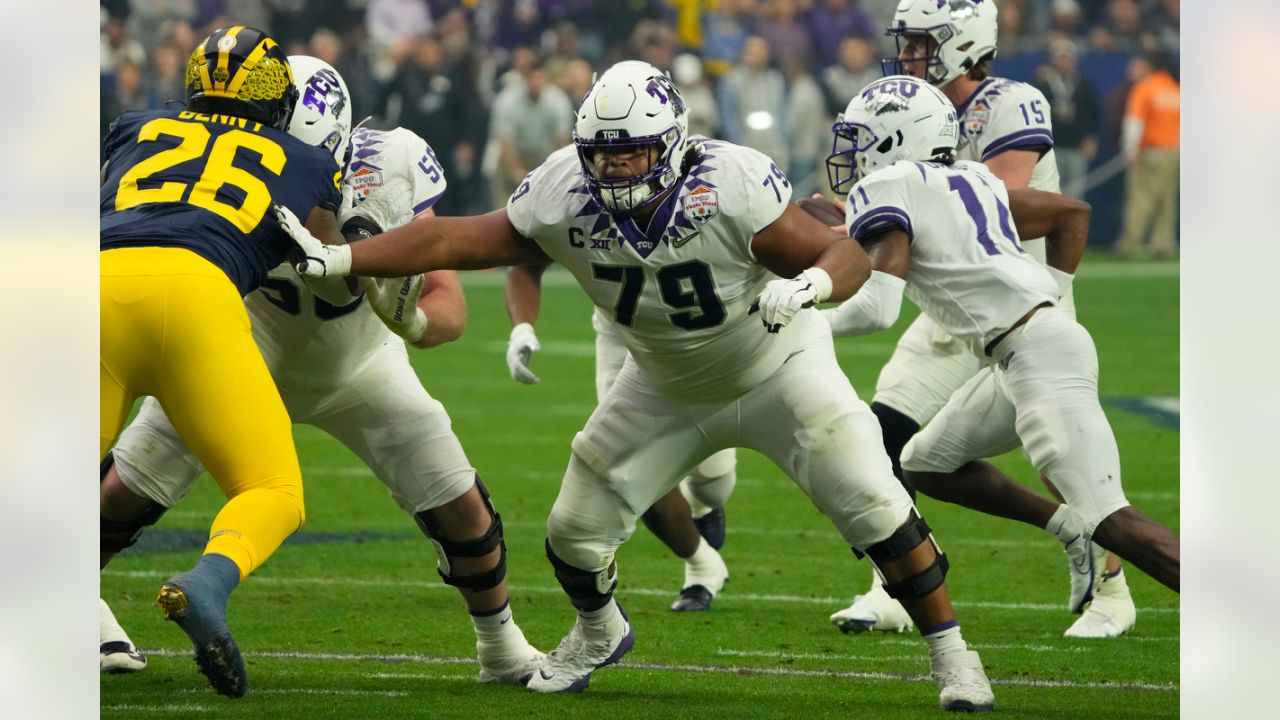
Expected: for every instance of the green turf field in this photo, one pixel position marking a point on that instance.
(350, 620)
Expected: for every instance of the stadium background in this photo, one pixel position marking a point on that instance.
(440, 68)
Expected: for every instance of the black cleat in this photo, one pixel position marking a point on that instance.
(217, 655)
(712, 528)
(220, 661)
(695, 598)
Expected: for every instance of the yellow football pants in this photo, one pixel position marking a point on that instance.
(174, 327)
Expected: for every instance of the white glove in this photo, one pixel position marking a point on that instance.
(389, 206)
(524, 343)
(395, 302)
(783, 299)
(320, 260)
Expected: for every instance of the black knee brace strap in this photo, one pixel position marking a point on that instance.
(903, 541)
(922, 583)
(579, 584)
(116, 535)
(479, 547)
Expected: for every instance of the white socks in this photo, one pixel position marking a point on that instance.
(706, 568)
(946, 641)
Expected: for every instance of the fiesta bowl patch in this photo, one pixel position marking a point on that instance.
(702, 204)
(365, 180)
(976, 118)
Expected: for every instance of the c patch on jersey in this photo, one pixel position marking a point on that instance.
(976, 118)
(365, 180)
(702, 204)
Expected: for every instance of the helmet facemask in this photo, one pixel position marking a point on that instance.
(847, 162)
(634, 191)
(934, 69)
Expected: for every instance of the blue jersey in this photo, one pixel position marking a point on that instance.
(206, 183)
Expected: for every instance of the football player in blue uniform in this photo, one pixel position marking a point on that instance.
(185, 233)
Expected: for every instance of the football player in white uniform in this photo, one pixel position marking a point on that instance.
(689, 520)
(942, 232)
(680, 244)
(341, 369)
(1005, 125)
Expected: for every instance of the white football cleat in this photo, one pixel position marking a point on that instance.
(873, 611)
(508, 668)
(1085, 562)
(1111, 614)
(962, 683)
(116, 652)
(568, 668)
(120, 657)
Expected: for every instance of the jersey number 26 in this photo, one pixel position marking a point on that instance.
(218, 171)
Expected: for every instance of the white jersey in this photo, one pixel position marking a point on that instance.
(307, 341)
(1003, 115)
(968, 272)
(680, 291)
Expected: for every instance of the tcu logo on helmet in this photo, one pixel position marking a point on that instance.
(323, 91)
(903, 90)
(663, 89)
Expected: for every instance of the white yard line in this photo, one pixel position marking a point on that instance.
(669, 667)
(728, 596)
(133, 707)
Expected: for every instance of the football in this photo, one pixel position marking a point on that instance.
(828, 212)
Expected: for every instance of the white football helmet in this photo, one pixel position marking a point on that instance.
(322, 116)
(894, 118)
(632, 106)
(958, 34)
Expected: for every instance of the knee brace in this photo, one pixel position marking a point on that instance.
(900, 543)
(588, 589)
(709, 492)
(116, 535)
(479, 547)
(896, 429)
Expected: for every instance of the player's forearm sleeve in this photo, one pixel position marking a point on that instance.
(874, 307)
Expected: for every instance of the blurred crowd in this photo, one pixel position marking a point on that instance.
(492, 84)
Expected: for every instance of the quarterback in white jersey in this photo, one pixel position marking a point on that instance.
(1007, 126)
(682, 246)
(343, 370)
(945, 230)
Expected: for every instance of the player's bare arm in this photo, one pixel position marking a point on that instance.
(1061, 219)
(445, 305)
(797, 241)
(523, 293)
(523, 296)
(428, 243)
(1014, 168)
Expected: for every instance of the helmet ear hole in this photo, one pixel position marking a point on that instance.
(885, 145)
